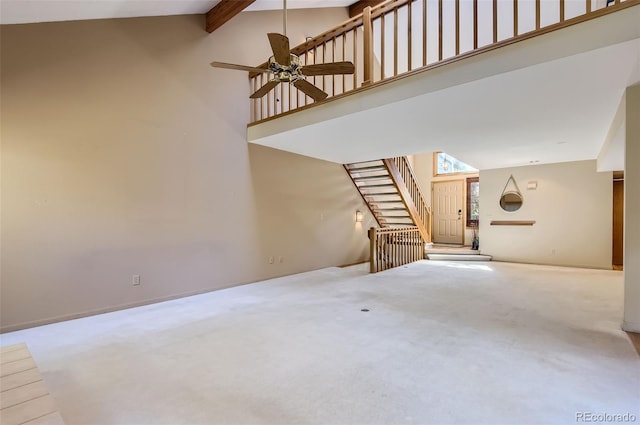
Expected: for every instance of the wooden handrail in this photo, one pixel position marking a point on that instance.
(393, 247)
(363, 53)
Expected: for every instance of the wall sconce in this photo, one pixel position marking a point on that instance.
(359, 216)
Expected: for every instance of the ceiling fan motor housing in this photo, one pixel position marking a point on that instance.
(283, 73)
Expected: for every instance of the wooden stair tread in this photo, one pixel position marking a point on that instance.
(459, 257)
(395, 213)
(378, 193)
(365, 186)
(452, 251)
(368, 168)
(371, 178)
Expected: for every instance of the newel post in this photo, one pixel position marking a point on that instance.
(367, 46)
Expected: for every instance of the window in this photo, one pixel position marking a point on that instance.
(473, 201)
(446, 164)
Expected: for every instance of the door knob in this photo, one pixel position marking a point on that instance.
(459, 214)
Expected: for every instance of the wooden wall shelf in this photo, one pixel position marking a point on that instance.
(513, 222)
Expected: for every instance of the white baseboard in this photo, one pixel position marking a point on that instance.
(631, 326)
(73, 316)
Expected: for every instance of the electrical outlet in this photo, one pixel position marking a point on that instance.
(270, 260)
(135, 280)
(281, 259)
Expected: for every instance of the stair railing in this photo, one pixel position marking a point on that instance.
(392, 247)
(405, 180)
(400, 36)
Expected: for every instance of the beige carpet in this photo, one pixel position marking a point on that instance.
(474, 343)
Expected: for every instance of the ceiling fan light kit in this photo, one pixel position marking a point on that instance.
(286, 67)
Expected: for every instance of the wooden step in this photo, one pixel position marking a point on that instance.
(374, 202)
(372, 178)
(452, 251)
(459, 257)
(367, 168)
(395, 213)
(390, 209)
(379, 193)
(366, 186)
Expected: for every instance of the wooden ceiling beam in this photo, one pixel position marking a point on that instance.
(356, 8)
(223, 12)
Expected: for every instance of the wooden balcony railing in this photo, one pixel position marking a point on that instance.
(398, 37)
(392, 247)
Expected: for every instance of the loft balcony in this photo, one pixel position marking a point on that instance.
(496, 83)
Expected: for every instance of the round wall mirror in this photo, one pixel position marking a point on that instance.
(511, 201)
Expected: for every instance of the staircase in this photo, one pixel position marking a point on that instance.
(391, 192)
(373, 181)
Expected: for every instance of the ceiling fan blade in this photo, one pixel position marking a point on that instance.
(280, 46)
(238, 67)
(328, 68)
(264, 89)
(310, 90)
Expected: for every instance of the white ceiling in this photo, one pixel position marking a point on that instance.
(548, 99)
(29, 11)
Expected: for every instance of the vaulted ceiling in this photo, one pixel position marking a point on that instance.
(28, 11)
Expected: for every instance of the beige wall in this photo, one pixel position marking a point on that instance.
(572, 207)
(423, 168)
(124, 153)
(632, 212)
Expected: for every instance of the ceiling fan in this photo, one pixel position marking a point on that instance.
(286, 67)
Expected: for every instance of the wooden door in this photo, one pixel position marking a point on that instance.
(448, 212)
(618, 222)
